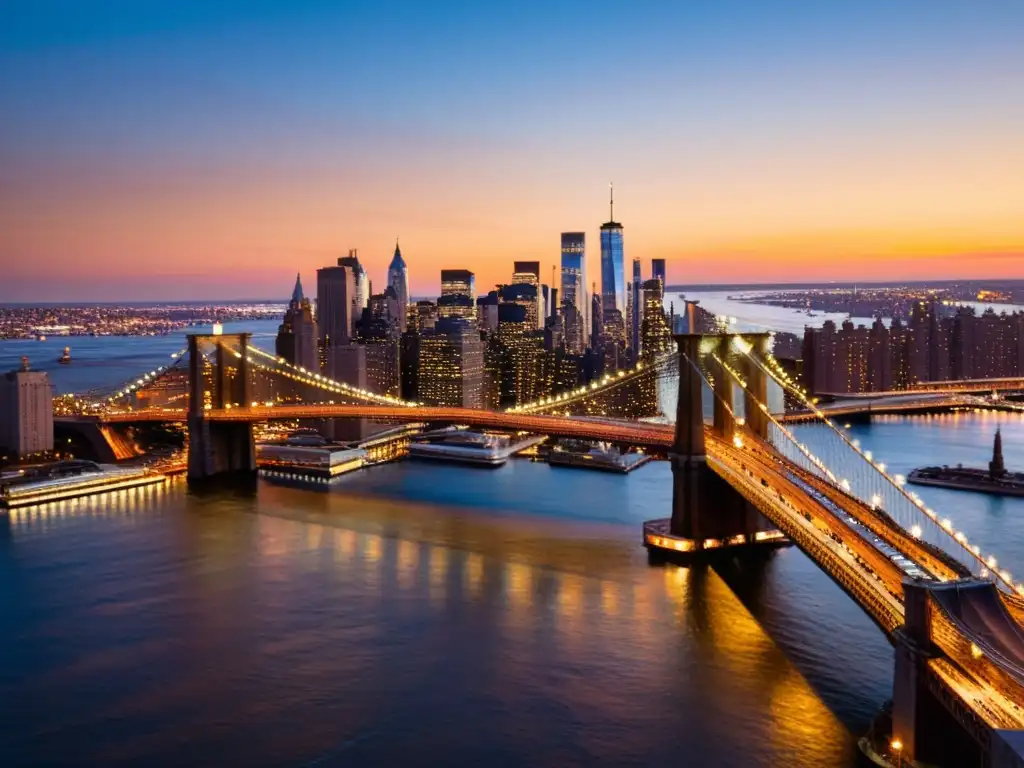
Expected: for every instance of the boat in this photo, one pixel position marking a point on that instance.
(65, 358)
(602, 457)
(40, 337)
(70, 479)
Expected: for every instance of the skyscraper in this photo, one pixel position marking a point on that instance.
(636, 308)
(398, 280)
(528, 273)
(520, 350)
(297, 335)
(525, 295)
(656, 336)
(613, 278)
(574, 291)
(658, 271)
(335, 295)
(451, 365)
(361, 284)
(26, 411)
(458, 282)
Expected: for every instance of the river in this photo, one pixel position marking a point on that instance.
(431, 614)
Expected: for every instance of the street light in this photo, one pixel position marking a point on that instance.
(897, 748)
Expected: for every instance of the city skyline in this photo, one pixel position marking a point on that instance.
(200, 152)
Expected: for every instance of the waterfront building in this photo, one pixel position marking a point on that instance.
(378, 335)
(658, 271)
(573, 290)
(613, 278)
(297, 336)
(398, 281)
(347, 363)
(26, 412)
(881, 357)
(451, 364)
(930, 347)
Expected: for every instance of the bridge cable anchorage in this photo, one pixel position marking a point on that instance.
(892, 486)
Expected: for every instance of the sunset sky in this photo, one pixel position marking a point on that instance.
(201, 149)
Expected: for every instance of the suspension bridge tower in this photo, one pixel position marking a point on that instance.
(219, 379)
(707, 513)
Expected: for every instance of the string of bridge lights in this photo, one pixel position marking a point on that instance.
(586, 390)
(146, 377)
(989, 564)
(319, 380)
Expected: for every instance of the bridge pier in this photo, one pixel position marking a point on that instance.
(756, 391)
(909, 684)
(707, 513)
(216, 448)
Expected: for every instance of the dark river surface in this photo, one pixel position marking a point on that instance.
(428, 614)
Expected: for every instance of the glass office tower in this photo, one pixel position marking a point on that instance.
(573, 290)
(613, 279)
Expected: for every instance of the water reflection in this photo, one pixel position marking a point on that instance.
(273, 629)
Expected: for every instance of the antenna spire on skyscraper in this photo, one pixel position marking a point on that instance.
(611, 201)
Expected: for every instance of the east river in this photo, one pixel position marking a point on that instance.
(426, 614)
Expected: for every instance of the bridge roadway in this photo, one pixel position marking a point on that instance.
(898, 404)
(949, 387)
(978, 632)
(657, 436)
(932, 560)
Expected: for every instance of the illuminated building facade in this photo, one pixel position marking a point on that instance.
(635, 308)
(458, 282)
(574, 290)
(528, 273)
(26, 412)
(613, 280)
(451, 365)
(929, 347)
(656, 336)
